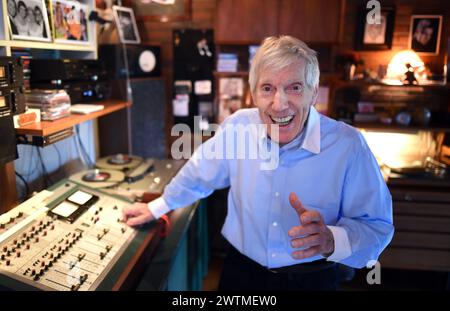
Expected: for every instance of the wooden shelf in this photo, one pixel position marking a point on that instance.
(45, 128)
(47, 45)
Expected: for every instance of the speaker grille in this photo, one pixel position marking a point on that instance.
(148, 118)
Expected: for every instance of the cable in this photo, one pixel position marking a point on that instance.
(27, 188)
(59, 155)
(47, 180)
(80, 155)
(83, 149)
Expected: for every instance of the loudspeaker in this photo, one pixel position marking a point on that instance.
(148, 118)
(143, 60)
(140, 129)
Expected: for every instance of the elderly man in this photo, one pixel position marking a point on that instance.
(325, 202)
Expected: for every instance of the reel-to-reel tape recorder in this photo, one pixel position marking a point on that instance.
(130, 176)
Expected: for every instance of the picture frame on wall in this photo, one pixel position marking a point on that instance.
(126, 25)
(70, 22)
(28, 20)
(425, 34)
(377, 36)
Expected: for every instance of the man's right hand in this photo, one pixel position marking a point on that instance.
(137, 214)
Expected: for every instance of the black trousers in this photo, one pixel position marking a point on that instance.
(240, 273)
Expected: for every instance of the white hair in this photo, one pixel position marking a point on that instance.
(279, 52)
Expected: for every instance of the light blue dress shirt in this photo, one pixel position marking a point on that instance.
(329, 166)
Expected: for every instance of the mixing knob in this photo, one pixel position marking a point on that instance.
(83, 278)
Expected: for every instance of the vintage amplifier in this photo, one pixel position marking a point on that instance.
(79, 91)
(11, 84)
(47, 70)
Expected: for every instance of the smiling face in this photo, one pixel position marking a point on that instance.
(38, 15)
(283, 99)
(12, 8)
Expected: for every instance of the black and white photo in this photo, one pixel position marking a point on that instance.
(126, 25)
(425, 34)
(28, 20)
(377, 35)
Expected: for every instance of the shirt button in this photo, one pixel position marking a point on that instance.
(274, 255)
(277, 194)
(274, 224)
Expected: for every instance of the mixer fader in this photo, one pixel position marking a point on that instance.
(65, 239)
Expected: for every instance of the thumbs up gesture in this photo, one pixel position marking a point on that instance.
(312, 235)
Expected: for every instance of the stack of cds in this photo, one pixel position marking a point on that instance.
(54, 104)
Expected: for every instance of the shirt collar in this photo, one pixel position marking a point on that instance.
(311, 139)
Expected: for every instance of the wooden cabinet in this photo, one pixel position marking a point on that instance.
(245, 21)
(310, 20)
(422, 225)
(250, 21)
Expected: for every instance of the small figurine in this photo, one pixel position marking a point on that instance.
(410, 78)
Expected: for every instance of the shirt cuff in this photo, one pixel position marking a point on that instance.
(158, 207)
(342, 248)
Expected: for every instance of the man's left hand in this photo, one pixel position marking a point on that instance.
(312, 235)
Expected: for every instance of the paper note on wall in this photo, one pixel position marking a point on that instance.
(181, 105)
(203, 87)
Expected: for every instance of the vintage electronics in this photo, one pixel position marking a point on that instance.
(143, 60)
(43, 141)
(69, 238)
(80, 91)
(11, 83)
(84, 80)
(47, 70)
(129, 176)
(8, 147)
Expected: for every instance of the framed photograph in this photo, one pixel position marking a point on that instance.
(28, 20)
(126, 25)
(162, 10)
(376, 36)
(70, 22)
(425, 34)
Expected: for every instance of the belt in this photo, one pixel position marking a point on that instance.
(306, 267)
